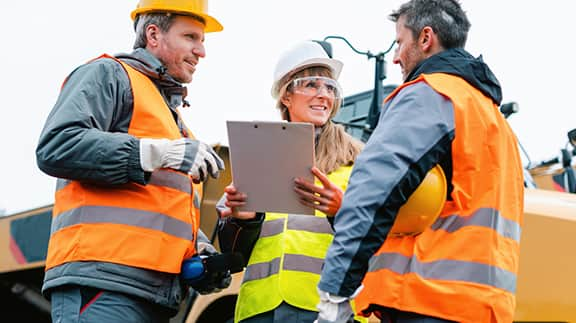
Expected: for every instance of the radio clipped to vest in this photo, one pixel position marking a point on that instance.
(193, 269)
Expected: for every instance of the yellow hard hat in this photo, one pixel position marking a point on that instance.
(424, 205)
(194, 7)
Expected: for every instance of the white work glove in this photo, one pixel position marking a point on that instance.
(335, 309)
(186, 155)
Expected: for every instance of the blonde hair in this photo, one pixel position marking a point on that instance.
(334, 147)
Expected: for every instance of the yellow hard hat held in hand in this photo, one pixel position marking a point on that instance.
(422, 207)
(197, 8)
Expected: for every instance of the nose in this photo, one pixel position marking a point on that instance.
(199, 50)
(396, 59)
(322, 91)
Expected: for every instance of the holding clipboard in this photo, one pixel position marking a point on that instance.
(265, 157)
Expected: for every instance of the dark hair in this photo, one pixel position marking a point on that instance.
(445, 17)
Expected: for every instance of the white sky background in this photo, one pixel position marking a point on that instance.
(528, 45)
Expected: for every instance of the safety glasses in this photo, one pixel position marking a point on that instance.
(316, 85)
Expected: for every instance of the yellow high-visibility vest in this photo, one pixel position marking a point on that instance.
(286, 262)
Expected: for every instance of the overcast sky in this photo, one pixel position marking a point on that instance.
(528, 45)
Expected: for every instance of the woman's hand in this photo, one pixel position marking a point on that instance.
(326, 199)
(234, 200)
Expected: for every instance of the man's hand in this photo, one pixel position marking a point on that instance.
(326, 199)
(205, 161)
(186, 155)
(334, 309)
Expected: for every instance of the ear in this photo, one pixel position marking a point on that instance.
(152, 35)
(428, 39)
(286, 99)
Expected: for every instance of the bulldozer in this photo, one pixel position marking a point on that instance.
(545, 285)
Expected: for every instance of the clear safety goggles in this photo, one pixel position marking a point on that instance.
(316, 85)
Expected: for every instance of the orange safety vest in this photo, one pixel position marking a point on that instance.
(149, 226)
(463, 267)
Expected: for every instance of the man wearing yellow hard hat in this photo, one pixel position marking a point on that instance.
(126, 211)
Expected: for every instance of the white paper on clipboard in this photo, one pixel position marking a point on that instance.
(265, 157)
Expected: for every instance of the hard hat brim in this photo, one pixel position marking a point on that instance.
(212, 25)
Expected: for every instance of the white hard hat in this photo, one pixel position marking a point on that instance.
(302, 55)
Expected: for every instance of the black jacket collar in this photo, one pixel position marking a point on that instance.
(459, 62)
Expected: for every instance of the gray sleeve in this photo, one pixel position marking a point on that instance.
(236, 235)
(85, 135)
(414, 133)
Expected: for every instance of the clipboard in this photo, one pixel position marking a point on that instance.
(265, 157)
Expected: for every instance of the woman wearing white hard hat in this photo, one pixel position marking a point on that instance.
(286, 251)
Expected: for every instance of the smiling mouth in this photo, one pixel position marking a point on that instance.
(318, 108)
(193, 64)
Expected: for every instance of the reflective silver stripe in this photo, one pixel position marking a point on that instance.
(485, 217)
(291, 262)
(116, 215)
(196, 199)
(262, 270)
(173, 180)
(309, 223)
(446, 270)
(303, 263)
(272, 227)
